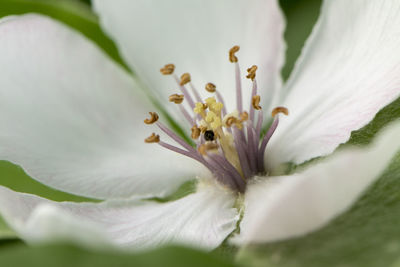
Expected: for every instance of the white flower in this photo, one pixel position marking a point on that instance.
(73, 120)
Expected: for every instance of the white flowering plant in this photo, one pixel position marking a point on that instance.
(285, 172)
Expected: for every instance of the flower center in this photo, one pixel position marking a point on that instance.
(230, 145)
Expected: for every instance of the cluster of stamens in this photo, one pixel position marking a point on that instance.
(230, 145)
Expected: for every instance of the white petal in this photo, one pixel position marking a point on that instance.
(202, 219)
(196, 35)
(347, 72)
(289, 206)
(73, 119)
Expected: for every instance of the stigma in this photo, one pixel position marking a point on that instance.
(231, 145)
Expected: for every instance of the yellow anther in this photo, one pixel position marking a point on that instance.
(153, 138)
(232, 51)
(210, 101)
(167, 69)
(217, 107)
(252, 72)
(210, 87)
(177, 99)
(185, 78)
(277, 110)
(216, 123)
(153, 118)
(195, 132)
(199, 108)
(256, 102)
(210, 117)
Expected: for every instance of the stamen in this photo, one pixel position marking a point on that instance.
(195, 132)
(244, 116)
(204, 148)
(210, 87)
(232, 52)
(177, 99)
(195, 92)
(277, 110)
(199, 108)
(256, 102)
(240, 148)
(185, 78)
(230, 121)
(153, 118)
(167, 69)
(185, 92)
(252, 72)
(203, 129)
(228, 145)
(228, 167)
(253, 93)
(153, 138)
(175, 137)
(186, 114)
(270, 132)
(234, 59)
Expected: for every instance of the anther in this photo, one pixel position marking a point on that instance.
(177, 99)
(167, 69)
(277, 110)
(209, 135)
(185, 78)
(232, 51)
(252, 72)
(195, 132)
(153, 118)
(230, 121)
(199, 108)
(153, 138)
(244, 116)
(203, 129)
(207, 147)
(210, 87)
(256, 102)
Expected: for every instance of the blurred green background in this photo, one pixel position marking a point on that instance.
(367, 235)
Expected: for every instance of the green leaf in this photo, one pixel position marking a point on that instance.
(301, 16)
(67, 255)
(5, 231)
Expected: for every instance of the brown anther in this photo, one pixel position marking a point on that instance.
(167, 69)
(232, 51)
(177, 99)
(252, 72)
(153, 138)
(230, 121)
(207, 147)
(185, 78)
(277, 110)
(210, 87)
(153, 118)
(244, 116)
(256, 102)
(195, 132)
(203, 129)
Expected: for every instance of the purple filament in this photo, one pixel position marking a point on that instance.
(246, 140)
